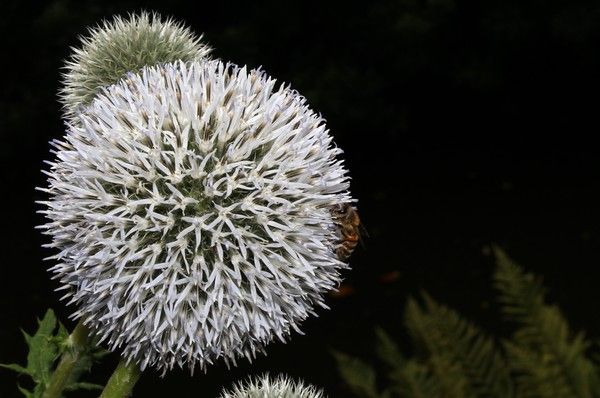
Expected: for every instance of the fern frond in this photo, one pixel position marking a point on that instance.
(387, 350)
(520, 294)
(414, 380)
(359, 376)
(547, 359)
(410, 378)
(465, 360)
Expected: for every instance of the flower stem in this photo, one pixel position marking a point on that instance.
(122, 380)
(78, 341)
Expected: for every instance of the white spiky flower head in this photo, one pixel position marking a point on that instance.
(123, 45)
(268, 387)
(191, 207)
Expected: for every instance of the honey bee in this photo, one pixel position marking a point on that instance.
(348, 224)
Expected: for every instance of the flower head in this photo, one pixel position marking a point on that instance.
(190, 205)
(266, 387)
(121, 46)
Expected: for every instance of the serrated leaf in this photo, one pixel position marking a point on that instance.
(62, 337)
(27, 337)
(45, 346)
(357, 374)
(13, 366)
(42, 349)
(48, 323)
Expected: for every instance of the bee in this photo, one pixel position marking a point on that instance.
(348, 224)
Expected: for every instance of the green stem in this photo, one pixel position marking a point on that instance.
(78, 341)
(122, 380)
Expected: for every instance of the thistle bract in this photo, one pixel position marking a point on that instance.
(190, 205)
(120, 46)
(267, 387)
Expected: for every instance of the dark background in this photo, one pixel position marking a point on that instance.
(463, 123)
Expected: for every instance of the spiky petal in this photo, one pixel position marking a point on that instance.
(191, 207)
(120, 46)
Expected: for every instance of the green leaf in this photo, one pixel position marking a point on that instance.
(38, 390)
(46, 345)
(25, 392)
(460, 356)
(387, 349)
(357, 374)
(26, 337)
(433, 348)
(453, 358)
(43, 350)
(548, 359)
(413, 379)
(15, 367)
(520, 294)
(62, 337)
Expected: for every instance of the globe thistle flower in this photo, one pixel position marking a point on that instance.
(266, 387)
(120, 46)
(190, 205)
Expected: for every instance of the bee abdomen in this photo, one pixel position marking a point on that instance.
(347, 221)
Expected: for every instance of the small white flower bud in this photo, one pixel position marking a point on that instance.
(267, 387)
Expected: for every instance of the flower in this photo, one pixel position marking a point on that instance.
(265, 387)
(121, 46)
(190, 205)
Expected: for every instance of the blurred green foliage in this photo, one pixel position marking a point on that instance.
(49, 342)
(453, 358)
